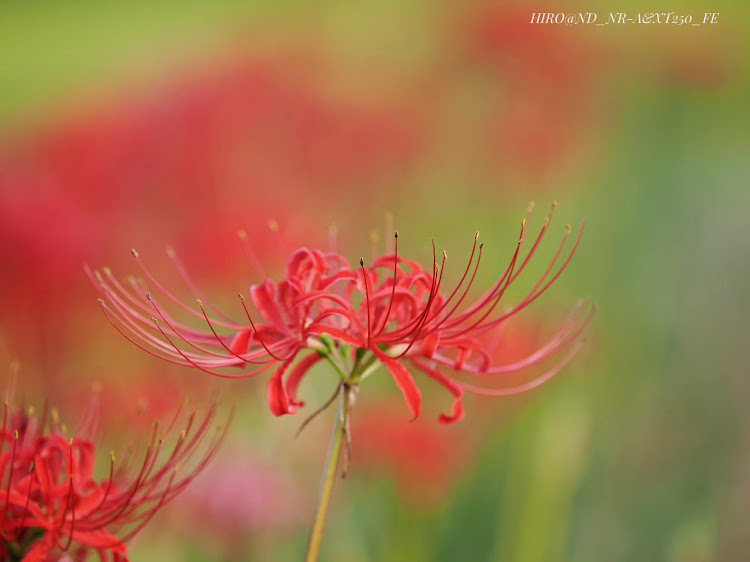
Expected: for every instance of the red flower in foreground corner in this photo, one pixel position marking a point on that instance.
(52, 506)
(392, 313)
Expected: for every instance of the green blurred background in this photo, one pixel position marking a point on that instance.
(463, 113)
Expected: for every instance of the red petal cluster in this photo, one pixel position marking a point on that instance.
(394, 310)
(51, 502)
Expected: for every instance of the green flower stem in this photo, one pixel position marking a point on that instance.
(329, 476)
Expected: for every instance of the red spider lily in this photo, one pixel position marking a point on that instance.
(53, 504)
(392, 313)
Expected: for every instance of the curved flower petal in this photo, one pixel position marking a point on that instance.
(263, 298)
(457, 411)
(404, 381)
(278, 399)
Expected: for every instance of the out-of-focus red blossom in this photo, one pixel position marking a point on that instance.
(546, 79)
(705, 63)
(53, 507)
(213, 151)
(424, 460)
(269, 500)
(392, 313)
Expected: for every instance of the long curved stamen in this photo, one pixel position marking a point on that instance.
(496, 298)
(245, 359)
(529, 385)
(172, 255)
(463, 278)
(126, 498)
(167, 293)
(393, 288)
(257, 334)
(71, 495)
(530, 298)
(418, 320)
(28, 500)
(570, 330)
(132, 320)
(11, 463)
(109, 482)
(152, 511)
(367, 300)
(538, 240)
(333, 232)
(493, 296)
(427, 311)
(104, 309)
(179, 334)
(250, 254)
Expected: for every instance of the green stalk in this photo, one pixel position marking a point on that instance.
(329, 477)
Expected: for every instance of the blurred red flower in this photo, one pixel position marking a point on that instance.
(423, 460)
(52, 502)
(545, 80)
(213, 151)
(242, 496)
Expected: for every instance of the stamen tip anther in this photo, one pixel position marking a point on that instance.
(242, 234)
(273, 225)
(106, 270)
(481, 245)
(567, 228)
(361, 262)
(241, 297)
(395, 234)
(554, 205)
(155, 320)
(170, 251)
(200, 302)
(135, 253)
(148, 297)
(100, 301)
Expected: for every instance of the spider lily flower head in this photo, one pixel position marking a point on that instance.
(53, 504)
(393, 313)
